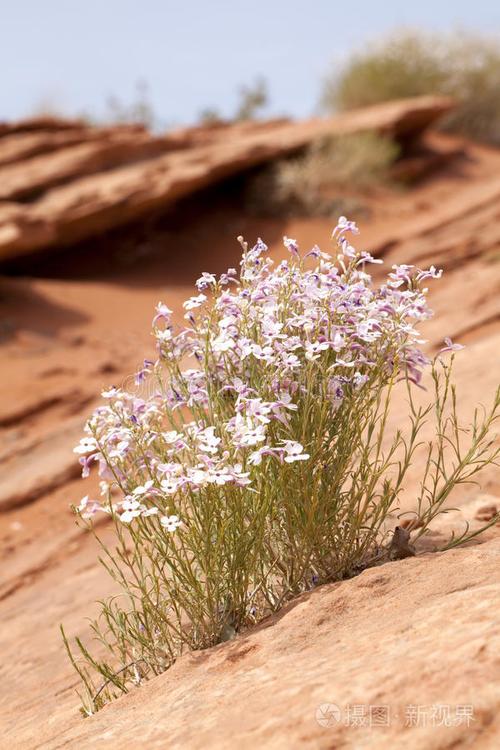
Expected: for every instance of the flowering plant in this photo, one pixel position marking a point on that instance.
(256, 463)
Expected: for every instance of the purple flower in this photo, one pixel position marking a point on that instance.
(343, 226)
(367, 258)
(450, 346)
(206, 280)
(162, 313)
(431, 273)
(85, 461)
(146, 369)
(291, 246)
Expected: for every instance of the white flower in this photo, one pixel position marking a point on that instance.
(265, 353)
(129, 515)
(256, 409)
(111, 392)
(255, 458)
(220, 476)
(245, 432)
(83, 503)
(130, 504)
(291, 245)
(342, 363)
(171, 436)
(86, 445)
(198, 477)
(359, 380)
(222, 343)
(88, 508)
(170, 523)
(272, 328)
(170, 486)
(240, 477)
(150, 512)
(290, 360)
(131, 509)
(174, 469)
(208, 440)
(344, 225)
(143, 488)
(206, 279)
(294, 452)
(162, 309)
(313, 350)
(337, 342)
(164, 335)
(193, 302)
(227, 321)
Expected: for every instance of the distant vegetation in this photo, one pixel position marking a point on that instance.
(413, 63)
(311, 183)
(251, 101)
(139, 111)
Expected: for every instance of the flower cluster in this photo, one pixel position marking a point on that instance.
(231, 390)
(255, 457)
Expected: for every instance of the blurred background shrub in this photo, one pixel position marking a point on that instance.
(411, 63)
(318, 181)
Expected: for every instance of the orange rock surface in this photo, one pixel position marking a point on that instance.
(419, 632)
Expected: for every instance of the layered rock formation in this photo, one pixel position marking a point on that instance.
(63, 182)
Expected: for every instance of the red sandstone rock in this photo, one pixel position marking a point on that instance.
(40, 467)
(81, 190)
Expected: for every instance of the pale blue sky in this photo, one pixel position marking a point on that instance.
(196, 53)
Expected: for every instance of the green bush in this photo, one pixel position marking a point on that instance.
(414, 63)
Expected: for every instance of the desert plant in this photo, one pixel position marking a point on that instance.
(411, 63)
(210, 116)
(257, 462)
(139, 111)
(252, 99)
(316, 182)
